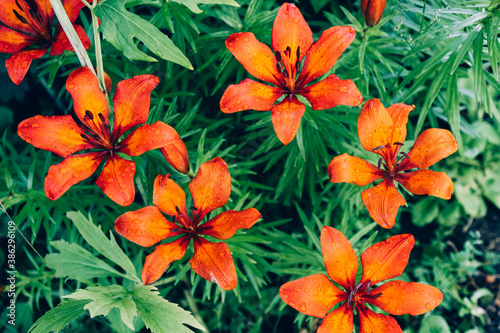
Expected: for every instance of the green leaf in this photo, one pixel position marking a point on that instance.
(107, 247)
(74, 262)
(453, 111)
(59, 317)
(434, 324)
(105, 298)
(120, 27)
(425, 211)
(159, 315)
(193, 4)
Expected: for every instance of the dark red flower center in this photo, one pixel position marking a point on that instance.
(98, 133)
(37, 22)
(192, 229)
(289, 69)
(360, 294)
(390, 161)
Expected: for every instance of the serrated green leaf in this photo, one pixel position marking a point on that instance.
(193, 4)
(105, 298)
(120, 27)
(74, 262)
(59, 317)
(159, 315)
(107, 247)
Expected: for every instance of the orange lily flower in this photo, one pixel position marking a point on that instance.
(292, 41)
(63, 136)
(27, 33)
(315, 295)
(383, 131)
(210, 190)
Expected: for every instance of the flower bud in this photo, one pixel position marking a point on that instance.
(372, 11)
(176, 155)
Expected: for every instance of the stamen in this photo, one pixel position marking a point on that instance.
(288, 51)
(379, 162)
(379, 147)
(376, 296)
(19, 6)
(356, 289)
(19, 17)
(278, 56)
(298, 52)
(349, 300)
(368, 287)
(285, 74)
(101, 117)
(89, 115)
(399, 143)
(32, 5)
(405, 155)
(297, 65)
(177, 209)
(278, 67)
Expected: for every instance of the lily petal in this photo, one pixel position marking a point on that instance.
(249, 94)
(371, 322)
(11, 20)
(176, 155)
(211, 187)
(382, 202)
(69, 172)
(83, 86)
(338, 321)
(387, 259)
(351, 169)
(340, 259)
(19, 63)
(148, 137)
(428, 182)
(224, 225)
(214, 263)
(431, 146)
(58, 134)
(399, 114)
(399, 297)
(313, 295)
(117, 180)
(325, 52)
(12, 41)
(131, 102)
(61, 42)
(256, 57)
(73, 8)
(162, 257)
(331, 92)
(145, 226)
(169, 197)
(290, 30)
(286, 116)
(374, 125)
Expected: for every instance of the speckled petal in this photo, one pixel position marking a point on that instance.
(383, 202)
(148, 137)
(117, 180)
(161, 259)
(331, 92)
(399, 114)
(428, 182)
(371, 322)
(167, 195)
(340, 259)
(249, 94)
(374, 125)
(19, 63)
(286, 117)
(176, 155)
(351, 169)
(313, 295)
(387, 259)
(338, 321)
(399, 297)
(146, 226)
(224, 225)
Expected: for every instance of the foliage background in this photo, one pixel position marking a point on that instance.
(441, 56)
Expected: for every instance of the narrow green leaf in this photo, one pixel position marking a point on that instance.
(107, 247)
(161, 316)
(193, 4)
(59, 317)
(478, 66)
(465, 47)
(120, 28)
(453, 111)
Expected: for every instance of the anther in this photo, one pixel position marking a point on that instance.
(288, 51)
(19, 6)
(101, 117)
(356, 289)
(399, 143)
(376, 296)
(297, 65)
(19, 17)
(405, 155)
(379, 147)
(379, 163)
(32, 4)
(89, 115)
(349, 300)
(298, 52)
(278, 67)
(368, 287)
(285, 74)
(277, 54)
(177, 209)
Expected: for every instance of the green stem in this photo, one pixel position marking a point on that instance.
(70, 31)
(98, 50)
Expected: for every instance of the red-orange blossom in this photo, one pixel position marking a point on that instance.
(296, 61)
(316, 295)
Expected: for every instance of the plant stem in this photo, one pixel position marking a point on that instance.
(70, 32)
(98, 51)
